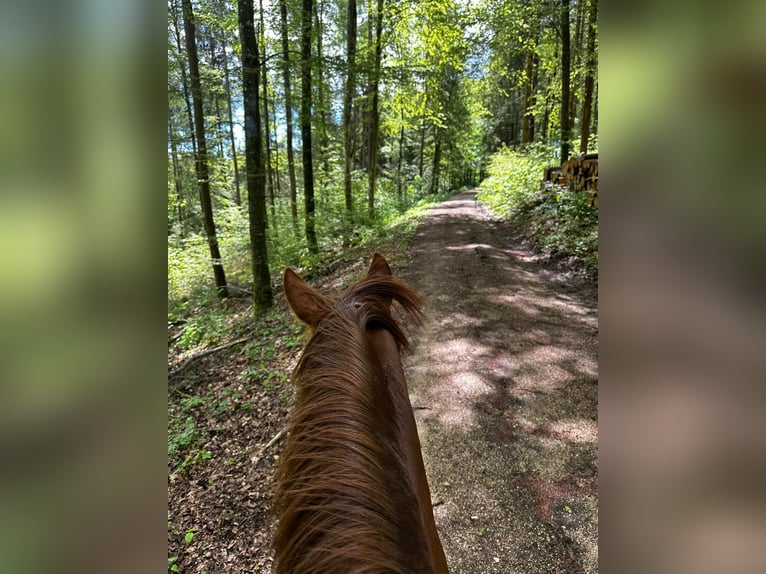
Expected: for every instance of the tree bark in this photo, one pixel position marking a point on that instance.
(256, 176)
(526, 123)
(176, 173)
(590, 74)
(348, 101)
(322, 106)
(435, 169)
(288, 114)
(184, 79)
(266, 127)
(375, 112)
(201, 162)
(401, 154)
(308, 167)
(565, 71)
(237, 192)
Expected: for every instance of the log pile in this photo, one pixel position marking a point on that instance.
(581, 172)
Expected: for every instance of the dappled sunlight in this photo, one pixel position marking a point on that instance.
(539, 368)
(451, 351)
(470, 246)
(579, 431)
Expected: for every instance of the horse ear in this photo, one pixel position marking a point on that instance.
(379, 267)
(308, 305)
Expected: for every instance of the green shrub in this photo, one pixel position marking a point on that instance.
(557, 220)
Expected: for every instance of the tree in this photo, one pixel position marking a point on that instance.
(590, 73)
(375, 112)
(348, 99)
(201, 157)
(237, 195)
(565, 70)
(184, 81)
(308, 167)
(269, 171)
(288, 112)
(256, 177)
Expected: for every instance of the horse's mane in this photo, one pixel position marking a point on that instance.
(339, 494)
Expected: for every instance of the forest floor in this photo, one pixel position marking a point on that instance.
(503, 379)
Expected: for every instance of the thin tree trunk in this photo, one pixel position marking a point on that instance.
(401, 153)
(288, 115)
(526, 123)
(308, 167)
(422, 147)
(176, 173)
(577, 57)
(435, 168)
(589, 76)
(594, 129)
(256, 176)
(277, 184)
(267, 139)
(217, 102)
(201, 157)
(375, 114)
(184, 80)
(565, 70)
(237, 193)
(366, 108)
(322, 107)
(348, 100)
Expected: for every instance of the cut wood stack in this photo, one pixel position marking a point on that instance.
(581, 172)
(554, 174)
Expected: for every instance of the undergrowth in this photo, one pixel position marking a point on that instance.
(557, 220)
(198, 320)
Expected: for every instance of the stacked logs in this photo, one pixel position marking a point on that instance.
(581, 172)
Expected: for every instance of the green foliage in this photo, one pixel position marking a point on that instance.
(514, 178)
(189, 536)
(558, 220)
(172, 566)
(181, 434)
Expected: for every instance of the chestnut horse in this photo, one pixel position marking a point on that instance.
(351, 491)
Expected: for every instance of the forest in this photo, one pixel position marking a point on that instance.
(299, 129)
(312, 134)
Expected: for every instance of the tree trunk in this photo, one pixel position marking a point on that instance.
(267, 139)
(176, 173)
(366, 108)
(589, 76)
(201, 162)
(437, 162)
(237, 193)
(256, 176)
(421, 152)
(288, 115)
(594, 129)
(526, 123)
(565, 69)
(322, 106)
(375, 113)
(308, 167)
(348, 100)
(184, 80)
(577, 57)
(401, 154)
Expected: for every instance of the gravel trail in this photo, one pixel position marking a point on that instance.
(503, 378)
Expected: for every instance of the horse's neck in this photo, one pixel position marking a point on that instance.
(388, 354)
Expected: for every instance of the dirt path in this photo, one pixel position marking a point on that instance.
(503, 378)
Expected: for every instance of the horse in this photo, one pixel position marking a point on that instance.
(351, 491)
